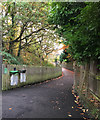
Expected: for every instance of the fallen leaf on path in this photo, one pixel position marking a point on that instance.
(76, 109)
(68, 112)
(87, 110)
(10, 108)
(84, 118)
(79, 104)
(72, 91)
(77, 97)
(70, 115)
(83, 110)
(74, 95)
(72, 107)
(81, 113)
(76, 102)
(80, 107)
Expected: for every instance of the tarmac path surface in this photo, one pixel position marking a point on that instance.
(49, 99)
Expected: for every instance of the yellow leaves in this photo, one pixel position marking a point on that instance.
(42, 8)
(76, 101)
(79, 106)
(2, 6)
(68, 56)
(9, 22)
(74, 95)
(77, 97)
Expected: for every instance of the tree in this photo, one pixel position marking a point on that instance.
(65, 56)
(45, 44)
(20, 22)
(78, 24)
(26, 30)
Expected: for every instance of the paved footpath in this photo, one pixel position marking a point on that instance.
(50, 99)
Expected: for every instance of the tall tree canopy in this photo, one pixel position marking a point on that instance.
(26, 29)
(78, 24)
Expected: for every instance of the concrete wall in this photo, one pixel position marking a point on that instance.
(33, 74)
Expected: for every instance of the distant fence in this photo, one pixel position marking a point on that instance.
(90, 77)
(68, 65)
(33, 74)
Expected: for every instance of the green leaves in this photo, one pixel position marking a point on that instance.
(79, 26)
(9, 9)
(9, 58)
(65, 56)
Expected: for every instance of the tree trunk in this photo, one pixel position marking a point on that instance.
(0, 68)
(11, 44)
(10, 48)
(19, 49)
(42, 59)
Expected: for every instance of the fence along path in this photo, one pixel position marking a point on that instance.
(33, 74)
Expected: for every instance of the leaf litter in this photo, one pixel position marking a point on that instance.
(77, 101)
